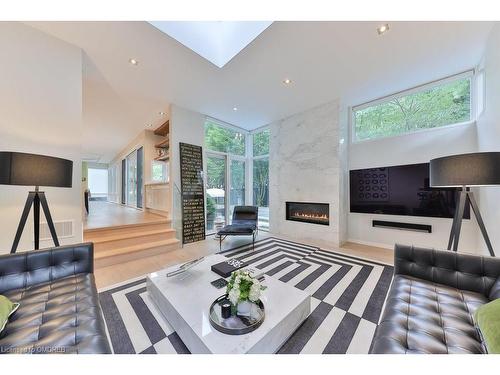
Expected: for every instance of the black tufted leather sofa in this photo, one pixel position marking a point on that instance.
(59, 311)
(432, 300)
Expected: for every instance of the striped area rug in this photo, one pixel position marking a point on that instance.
(347, 298)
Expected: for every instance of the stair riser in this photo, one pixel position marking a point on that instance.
(109, 261)
(126, 242)
(105, 232)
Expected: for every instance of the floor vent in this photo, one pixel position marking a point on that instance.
(64, 229)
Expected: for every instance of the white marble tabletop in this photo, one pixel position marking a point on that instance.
(185, 301)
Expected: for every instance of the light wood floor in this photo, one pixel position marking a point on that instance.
(106, 214)
(118, 273)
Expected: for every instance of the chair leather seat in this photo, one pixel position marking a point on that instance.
(425, 317)
(237, 229)
(61, 316)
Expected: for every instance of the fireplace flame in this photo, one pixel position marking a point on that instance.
(301, 215)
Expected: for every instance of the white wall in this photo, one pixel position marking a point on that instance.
(304, 166)
(41, 112)
(187, 127)
(489, 137)
(410, 149)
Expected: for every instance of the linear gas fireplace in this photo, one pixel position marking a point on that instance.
(306, 212)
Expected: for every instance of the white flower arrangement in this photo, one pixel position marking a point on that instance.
(243, 287)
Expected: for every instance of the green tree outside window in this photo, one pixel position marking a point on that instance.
(446, 104)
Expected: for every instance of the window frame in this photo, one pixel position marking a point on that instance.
(226, 125)
(228, 157)
(248, 159)
(470, 74)
(253, 158)
(165, 172)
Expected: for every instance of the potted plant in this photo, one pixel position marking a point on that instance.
(243, 291)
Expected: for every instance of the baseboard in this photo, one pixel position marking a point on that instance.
(369, 243)
(158, 212)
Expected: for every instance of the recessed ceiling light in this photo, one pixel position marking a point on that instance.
(161, 113)
(235, 108)
(382, 29)
(287, 81)
(133, 61)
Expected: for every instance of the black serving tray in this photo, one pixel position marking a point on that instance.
(236, 325)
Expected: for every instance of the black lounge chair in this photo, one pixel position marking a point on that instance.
(244, 223)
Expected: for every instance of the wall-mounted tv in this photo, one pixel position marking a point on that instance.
(401, 190)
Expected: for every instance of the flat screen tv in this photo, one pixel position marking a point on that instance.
(401, 190)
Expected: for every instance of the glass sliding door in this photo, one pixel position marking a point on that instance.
(132, 178)
(237, 184)
(216, 191)
(123, 199)
(131, 194)
(139, 184)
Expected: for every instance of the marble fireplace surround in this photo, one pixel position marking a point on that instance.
(306, 166)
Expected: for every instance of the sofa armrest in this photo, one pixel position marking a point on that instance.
(462, 271)
(21, 270)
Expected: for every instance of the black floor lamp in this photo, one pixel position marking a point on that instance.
(466, 171)
(18, 168)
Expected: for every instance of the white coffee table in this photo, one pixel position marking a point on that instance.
(184, 301)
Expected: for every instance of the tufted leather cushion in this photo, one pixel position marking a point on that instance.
(461, 271)
(495, 290)
(29, 268)
(432, 300)
(424, 317)
(61, 315)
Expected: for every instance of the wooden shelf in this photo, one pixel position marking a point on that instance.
(163, 129)
(162, 158)
(163, 144)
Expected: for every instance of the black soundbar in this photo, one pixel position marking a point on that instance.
(402, 226)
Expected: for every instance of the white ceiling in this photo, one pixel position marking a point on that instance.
(325, 60)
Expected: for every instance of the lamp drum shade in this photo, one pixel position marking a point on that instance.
(475, 169)
(17, 168)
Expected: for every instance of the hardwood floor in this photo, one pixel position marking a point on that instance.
(106, 214)
(107, 276)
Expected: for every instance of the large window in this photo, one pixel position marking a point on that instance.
(159, 171)
(98, 183)
(260, 175)
(224, 139)
(441, 103)
(226, 172)
(216, 191)
(237, 173)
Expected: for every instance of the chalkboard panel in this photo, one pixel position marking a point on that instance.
(193, 198)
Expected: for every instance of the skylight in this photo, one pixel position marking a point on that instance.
(216, 41)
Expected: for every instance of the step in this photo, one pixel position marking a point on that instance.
(126, 254)
(120, 240)
(127, 228)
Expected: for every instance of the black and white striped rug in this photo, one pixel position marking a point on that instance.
(347, 298)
